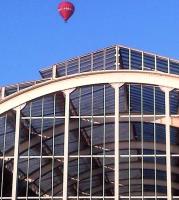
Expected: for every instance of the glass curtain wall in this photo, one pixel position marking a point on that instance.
(91, 145)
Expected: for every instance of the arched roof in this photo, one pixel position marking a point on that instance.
(89, 78)
(54, 83)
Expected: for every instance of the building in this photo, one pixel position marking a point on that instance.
(100, 126)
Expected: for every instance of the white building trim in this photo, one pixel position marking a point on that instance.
(88, 78)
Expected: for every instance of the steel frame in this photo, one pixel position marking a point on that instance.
(88, 78)
(167, 81)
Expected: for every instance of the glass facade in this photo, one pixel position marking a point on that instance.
(98, 141)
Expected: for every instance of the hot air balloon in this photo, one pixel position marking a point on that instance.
(66, 9)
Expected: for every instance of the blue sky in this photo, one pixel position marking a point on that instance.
(33, 36)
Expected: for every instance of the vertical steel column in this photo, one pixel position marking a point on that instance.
(168, 145)
(54, 71)
(2, 93)
(79, 64)
(168, 61)
(155, 139)
(104, 139)
(116, 142)
(79, 142)
(53, 142)
(142, 140)
(3, 161)
(116, 87)
(155, 69)
(28, 152)
(142, 61)
(129, 146)
(168, 158)
(117, 57)
(66, 137)
(16, 152)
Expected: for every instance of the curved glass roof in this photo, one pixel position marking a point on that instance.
(91, 136)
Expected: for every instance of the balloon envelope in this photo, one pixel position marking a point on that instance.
(66, 9)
